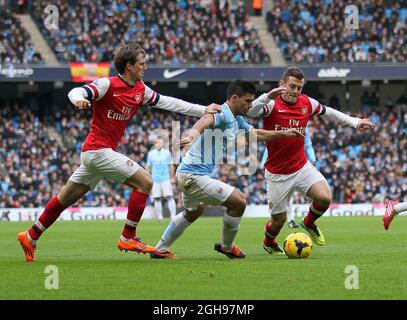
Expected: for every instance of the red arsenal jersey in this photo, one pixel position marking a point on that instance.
(287, 155)
(114, 103)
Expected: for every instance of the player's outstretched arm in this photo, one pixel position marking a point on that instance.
(337, 116)
(266, 135)
(206, 122)
(187, 108)
(263, 105)
(78, 97)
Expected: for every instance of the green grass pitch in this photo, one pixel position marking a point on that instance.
(91, 267)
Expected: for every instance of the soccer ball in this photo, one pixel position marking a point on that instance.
(298, 245)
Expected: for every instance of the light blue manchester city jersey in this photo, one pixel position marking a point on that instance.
(209, 148)
(160, 162)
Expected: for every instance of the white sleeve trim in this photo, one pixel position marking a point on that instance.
(261, 107)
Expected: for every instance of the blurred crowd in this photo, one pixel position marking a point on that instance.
(37, 156)
(320, 31)
(15, 44)
(212, 32)
(368, 167)
(173, 32)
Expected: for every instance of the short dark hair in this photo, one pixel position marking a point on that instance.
(293, 72)
(240, 88)
(127, 54)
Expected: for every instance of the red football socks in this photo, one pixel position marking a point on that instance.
(314, 213)
(270, 236)
(53, 210)
(137, 204)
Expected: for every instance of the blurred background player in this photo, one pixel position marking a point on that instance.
(393, 209)
(161, 167)
(193, 174)
(310, 153)
(287, 168)
(114, 101)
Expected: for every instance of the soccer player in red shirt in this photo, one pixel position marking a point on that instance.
(287, 168)
(114, 101)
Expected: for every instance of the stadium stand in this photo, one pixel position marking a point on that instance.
(34, 162)
(314, 31)
(196, 32)
(15, 44)
(173, 32)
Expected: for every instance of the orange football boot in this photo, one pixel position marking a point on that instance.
(27, 246)
(135, 245)
(234, 253)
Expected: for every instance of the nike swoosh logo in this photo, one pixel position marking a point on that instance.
(171, 74)
(116, 95)
(282, 110)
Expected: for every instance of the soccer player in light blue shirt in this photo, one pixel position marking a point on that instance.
(207, 141)
(161, 167)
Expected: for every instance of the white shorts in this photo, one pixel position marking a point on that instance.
(162, 189)
(280, 187)
(103, 163)
(198, 190)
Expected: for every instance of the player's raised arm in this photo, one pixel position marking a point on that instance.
(80, 97)
(263, 105)
(337, 116)
(177, 105)
(266, 135)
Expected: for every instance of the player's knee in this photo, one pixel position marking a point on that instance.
(236, 204)
(324, 200)
(145, 188)
(240, 203)
(147, 185)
